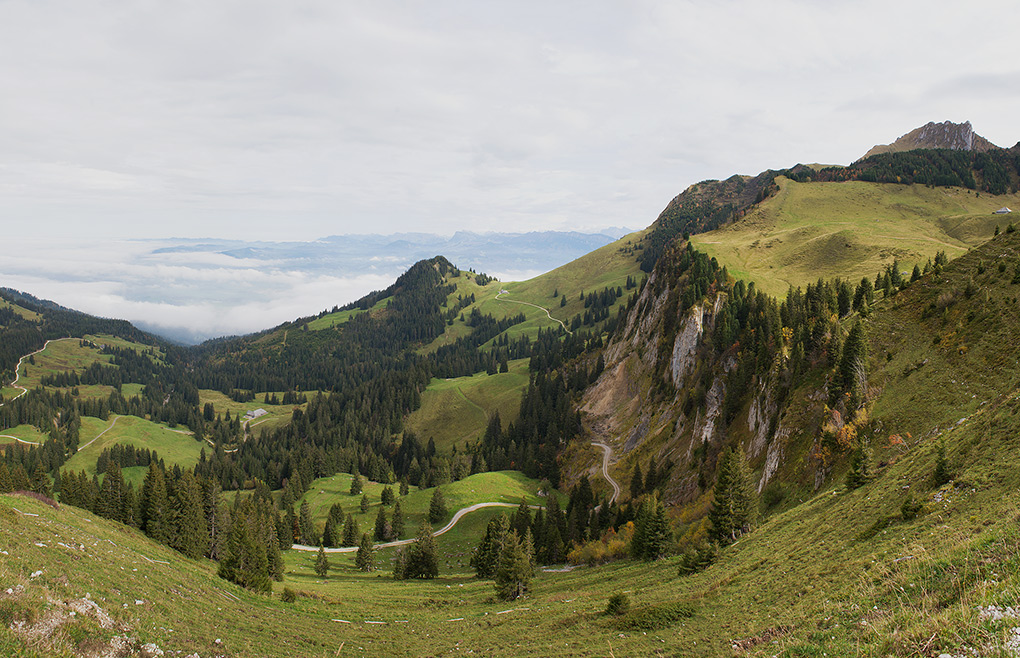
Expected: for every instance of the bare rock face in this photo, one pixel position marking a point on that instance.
(945, 135)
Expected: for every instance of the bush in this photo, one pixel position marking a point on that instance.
(910, 508)
(618, 604)
(654, 617)
(697, 558)
(288, 595)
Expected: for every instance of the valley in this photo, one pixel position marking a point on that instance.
(754, 428)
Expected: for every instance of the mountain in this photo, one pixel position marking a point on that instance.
(800, 386)
(945, 135)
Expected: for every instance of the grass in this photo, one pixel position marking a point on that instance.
(276, 416)
(495, 487)
(852, 229)
(24, 432)
(173, 446)
(455, 411)
(20, 310)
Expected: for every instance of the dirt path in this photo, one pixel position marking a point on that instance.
(17, 374)
(541, 308)
(8, 436)
(115, 419)
(404, 542)
(608, 454)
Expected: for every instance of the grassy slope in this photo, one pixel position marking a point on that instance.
(173, 446)
(839, 574)
(276, 416)
(23, 312)
(454, 411)
(853, 229)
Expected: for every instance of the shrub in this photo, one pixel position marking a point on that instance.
(618, 604)
(697, 558)
(654, 617)
(288, 595)
(910, 508)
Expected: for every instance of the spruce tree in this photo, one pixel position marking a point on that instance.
(485, 558)
(514, 570)
(381, 526)
(41, 481)
(190, 534)
(637, 482)
(437, 508)
(404, 488)
(308, 535)
(321, 563)
(423, 556)
(6, 485)
(859, 470)
(522, 518)
(155, 508)
(735, 506)
(399, 564)
(657, 533)
(941, 474)
(397, 524)
(331, 536)
(364, 503)
(355, 483)
(351, 532)
(364, 559)
(388, 496)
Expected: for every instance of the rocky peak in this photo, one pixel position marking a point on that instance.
(945, 135)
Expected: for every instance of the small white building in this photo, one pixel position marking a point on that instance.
(252, 415)
(1003, 211)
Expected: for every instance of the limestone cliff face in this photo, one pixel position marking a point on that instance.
(945, 135)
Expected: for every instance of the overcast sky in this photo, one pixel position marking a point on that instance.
(299, 119)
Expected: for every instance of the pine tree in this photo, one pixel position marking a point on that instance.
(351, 532)
(155, 506)
(6, 485)
(637, 482)
(41, 481)
(514, 572)
(485, 558)
(437, 508)
(397, 524)
(735, 506)
(399, 564)
(852, 373)
(190, 534)
(859, 469)
(364, 559)
(423, 556)
(656, 533)
(404, 488)
(364, 503)
(330, 535)
(355, 483)
(387, 496)
(522, 518)
(308, 535)
(321, 563)
(381, 526)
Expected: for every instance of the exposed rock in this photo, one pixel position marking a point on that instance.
(686, 345)
(945, 135)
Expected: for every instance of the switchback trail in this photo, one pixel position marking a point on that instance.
(115, 418)
(608, 453)
(541, 308)
(404, 542)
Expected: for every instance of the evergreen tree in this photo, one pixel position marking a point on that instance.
(351, 532)
(404, 488)
(155, 508)
(397, 524)
(735, 506)
(364, 503)
(331, 536)
(656, 534)
(190, 532)
(6, 485)
(859, 469)
(399, 564)
(321, 563)
(485, 558)
(41, 481)
(522, 518)
(387, 496)
(355, 483)
(852, 373)
(364, 559)
(437, 508)
(381, 526)
(308, 535)
(514, 571)
(637, 482)
(423, 556)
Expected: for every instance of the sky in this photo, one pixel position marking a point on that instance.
(298, 119)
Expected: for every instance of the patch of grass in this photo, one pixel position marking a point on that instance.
(454, 411)
(852, 229)
(276, 416)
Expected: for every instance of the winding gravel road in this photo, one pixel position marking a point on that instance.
(607, 455)
(404, 542)
(541, 308)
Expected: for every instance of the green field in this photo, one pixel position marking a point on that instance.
(173, 446)
(331, 320)
(850, 230)
(494, 487)
(23, 312)
(23, 432)
(276, 416)
(455, 411)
